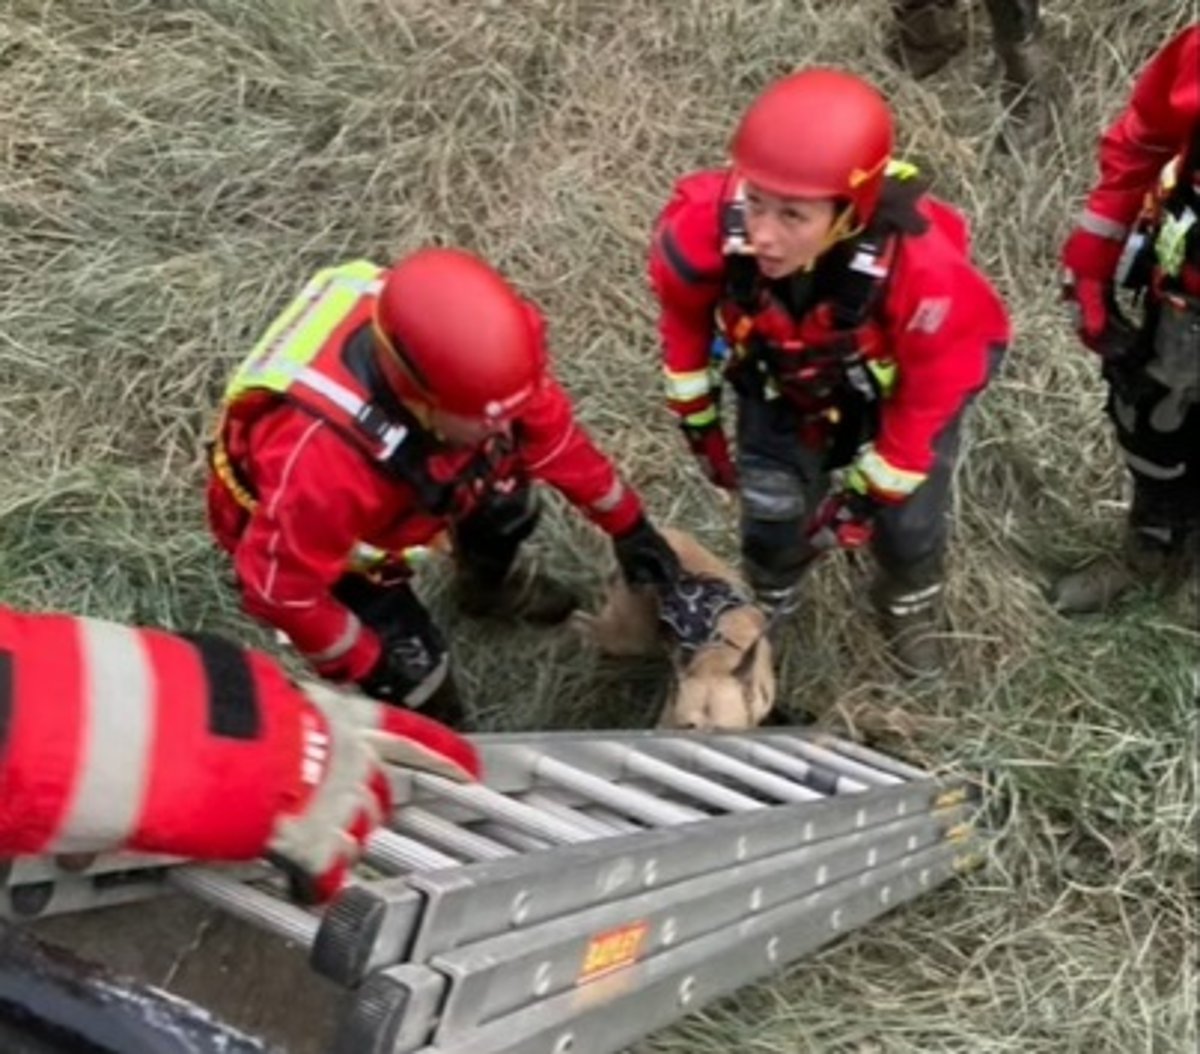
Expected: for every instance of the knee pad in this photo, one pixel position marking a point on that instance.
(771, 495)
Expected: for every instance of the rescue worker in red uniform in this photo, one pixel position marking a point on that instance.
(382, 409)
(1139, 231)
(115, 738)
(838, 300)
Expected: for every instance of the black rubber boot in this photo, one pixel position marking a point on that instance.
(1145, 560)
(491, 582)
(521, 594)
(908, 600)
(929, 33)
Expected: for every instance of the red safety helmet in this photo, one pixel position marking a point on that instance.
(819, 133)
(465, 342)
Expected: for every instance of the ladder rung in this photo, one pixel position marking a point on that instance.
(707, 791)
(247, 903)
(702, 757)
(822, 781)
(423, 824)
(510, 836)
(26, 870)
(843, 766)
(496, 806)
(398, 853)
(621, 824)
(867, 756)
(547, 803)
(627, 800)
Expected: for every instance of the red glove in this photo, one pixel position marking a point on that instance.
(120, 738)
(710, 447)
(1091, 261)
(317, 840)
(844, 520)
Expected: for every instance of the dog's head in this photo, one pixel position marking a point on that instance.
(722, 687)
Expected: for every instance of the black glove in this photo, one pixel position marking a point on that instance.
(410, 668)
(645, 557)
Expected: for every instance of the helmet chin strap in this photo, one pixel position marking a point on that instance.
(845, 225)
(394, 364)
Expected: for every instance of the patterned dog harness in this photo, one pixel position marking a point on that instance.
(690, 610)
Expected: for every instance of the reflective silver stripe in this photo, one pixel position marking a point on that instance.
(363, 286)
(614, 497)
(337, 394)
(691, 385)
(1150, 469)
(420, 694)
(119, 688)
(917, 600)
(885, 477)
(1162, 535)
(1102, 226)
(536, 466)
(340, 646)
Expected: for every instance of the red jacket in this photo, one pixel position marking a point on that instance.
(114, 737)
(319, 496)
(939, 323)
(1157, 125)
(119, 738)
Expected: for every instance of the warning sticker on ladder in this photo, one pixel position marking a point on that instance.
(613, 950)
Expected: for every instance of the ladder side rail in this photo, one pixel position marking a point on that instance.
(631, 1003)
(70, 894)
(26, 870)
(482, 900)
(501, 974)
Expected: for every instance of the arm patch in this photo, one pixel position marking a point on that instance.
(233, 708)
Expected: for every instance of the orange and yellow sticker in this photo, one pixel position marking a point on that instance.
(613, 950)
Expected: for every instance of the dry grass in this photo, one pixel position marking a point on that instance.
(171, 171)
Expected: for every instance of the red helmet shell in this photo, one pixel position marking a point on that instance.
(819, 133)
(467, 342)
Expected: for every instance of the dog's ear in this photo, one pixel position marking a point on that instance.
(679, 664)
(743, 671)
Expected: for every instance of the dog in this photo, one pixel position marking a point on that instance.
(725, 681)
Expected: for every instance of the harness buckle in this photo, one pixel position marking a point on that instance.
(380, 427)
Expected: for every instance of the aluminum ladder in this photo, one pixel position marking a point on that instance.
(595, 887)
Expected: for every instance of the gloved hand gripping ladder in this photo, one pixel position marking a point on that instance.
(594, 888)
